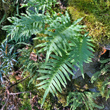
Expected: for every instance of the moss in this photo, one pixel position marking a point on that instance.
(23, 86)
(25, 105)
(96, 18)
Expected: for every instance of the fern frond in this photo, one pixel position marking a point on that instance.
(105, 89)
(101, 76)
(25, 26)
(65, 32)
(40, 5)
(69, 47)
(27, 64)
(77, 99)
(104, 69)
(82, 52)
(55, 74)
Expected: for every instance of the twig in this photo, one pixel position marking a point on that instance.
(5, 101)
(5, 104)
(7, 91)
(17, 83)
(17, 93)
(31, 100)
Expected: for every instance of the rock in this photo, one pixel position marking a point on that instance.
(88, 68)
(107, 47)
(93, 89)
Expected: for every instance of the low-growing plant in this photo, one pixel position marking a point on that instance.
(101, 78)
(64, 44)
(79, 99)
(7, 59)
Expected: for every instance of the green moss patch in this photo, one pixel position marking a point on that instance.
(96, 15)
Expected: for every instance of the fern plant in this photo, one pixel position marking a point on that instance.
(30, 23)
(79, 99)
(7, 59)
(65, 47)
(101, 78)
(65, 43)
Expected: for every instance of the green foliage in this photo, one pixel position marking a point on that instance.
(101, 78)
(65, 44)
(96, 15)
(41, 5)
(27, 64)
(25, 105)
(104, 69)
(102, 5)
(92, 6)
(9, 7)
(78, 99)
(30, 23)
(7, 59)
(25, 26)
(105, 89)
(62, 60)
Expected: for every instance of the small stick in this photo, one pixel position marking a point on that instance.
(18, 93)
(5, 101)
(17, 82)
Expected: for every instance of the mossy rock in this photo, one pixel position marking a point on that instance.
(96, 18)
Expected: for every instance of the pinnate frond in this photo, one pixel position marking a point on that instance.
(25, 26)
(55, 74)
(77, 99)
(64, 32)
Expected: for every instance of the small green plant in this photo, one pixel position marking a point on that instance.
(63, 42)
(79, 99)
(101, 78)
(8, 7)
(25, 105)
(7, 59)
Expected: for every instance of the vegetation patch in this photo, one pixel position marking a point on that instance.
(96, 15)
(47, 53)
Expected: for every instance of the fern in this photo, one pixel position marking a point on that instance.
(60, 38)
(25, 26)
(40, 5)
(69, 49)
(30, 23)
(103, 76)
(54, 74)
(105, 89)
(7, 59)
(26, 63)
(104, 69)
(64, 44)
(78, 99)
